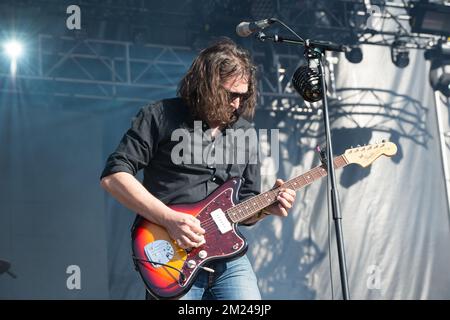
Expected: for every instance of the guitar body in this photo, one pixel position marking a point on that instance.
(151, 242)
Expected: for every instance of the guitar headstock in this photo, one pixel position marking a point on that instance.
(365, 155)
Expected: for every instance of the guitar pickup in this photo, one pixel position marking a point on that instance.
(221, 221)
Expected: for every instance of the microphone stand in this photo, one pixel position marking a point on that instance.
(316, 50)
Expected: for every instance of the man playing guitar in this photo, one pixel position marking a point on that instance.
(219, 90)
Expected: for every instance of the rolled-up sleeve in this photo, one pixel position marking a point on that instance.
(137, 146)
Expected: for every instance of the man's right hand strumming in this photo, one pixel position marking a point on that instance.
(184, 229)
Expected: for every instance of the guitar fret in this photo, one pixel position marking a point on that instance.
(259, 202)
(306, 176)
(298, 183)
(305, 182)
(250, 206)
(322, 171)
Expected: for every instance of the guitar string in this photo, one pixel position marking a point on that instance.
(209, 224)
(320, 171)
(258, 202)
(210, 221)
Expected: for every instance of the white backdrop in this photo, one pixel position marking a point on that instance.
(395, 218)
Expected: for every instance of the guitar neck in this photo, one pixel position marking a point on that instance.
(251, 206)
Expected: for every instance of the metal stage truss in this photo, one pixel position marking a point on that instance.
(119, 70)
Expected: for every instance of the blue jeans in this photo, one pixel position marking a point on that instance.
(232, 280)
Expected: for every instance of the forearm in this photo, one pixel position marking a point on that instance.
(132, 194)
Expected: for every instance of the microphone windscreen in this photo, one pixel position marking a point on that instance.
(306, 82)
(243, 29)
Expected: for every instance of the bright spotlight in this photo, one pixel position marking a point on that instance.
(13, 49)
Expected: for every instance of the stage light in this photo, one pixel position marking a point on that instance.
(13, 49)
(400, 53)
(440, 76)
(354, 55)
(439, 55)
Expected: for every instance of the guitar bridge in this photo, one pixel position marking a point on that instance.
(159, 252)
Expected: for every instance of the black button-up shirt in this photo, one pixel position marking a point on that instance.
(149, 144)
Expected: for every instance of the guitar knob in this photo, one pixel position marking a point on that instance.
(202, 254)
(191, 264)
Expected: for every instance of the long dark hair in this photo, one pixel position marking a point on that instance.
(201, 87)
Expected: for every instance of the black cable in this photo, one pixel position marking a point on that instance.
(183, 277)
(287, 27)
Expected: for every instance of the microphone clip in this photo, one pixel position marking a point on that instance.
(261, 36)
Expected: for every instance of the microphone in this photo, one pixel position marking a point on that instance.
(244, 29)
(306, 82)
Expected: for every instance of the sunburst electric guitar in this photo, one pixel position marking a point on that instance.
(169, 271)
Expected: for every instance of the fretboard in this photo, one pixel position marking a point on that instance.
(251, 206)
